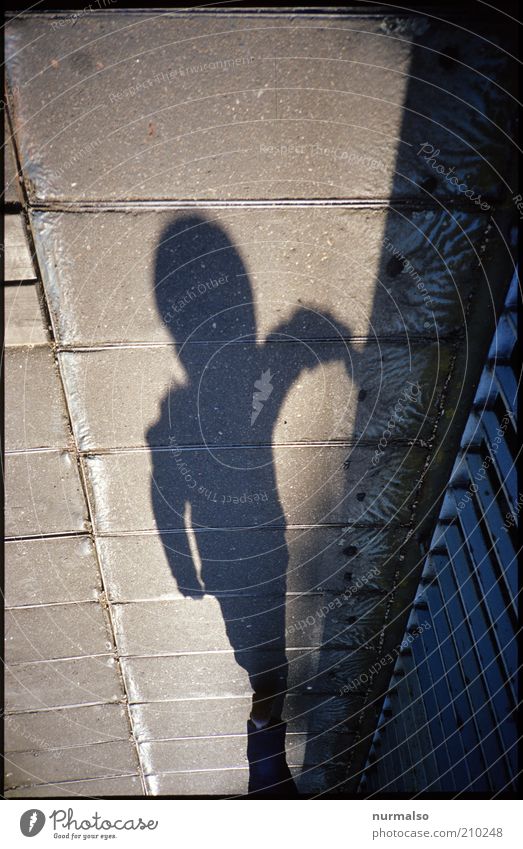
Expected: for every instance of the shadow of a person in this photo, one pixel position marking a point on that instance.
(217, 478)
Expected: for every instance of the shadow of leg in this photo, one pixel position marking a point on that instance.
(256, 629)
(269, 775)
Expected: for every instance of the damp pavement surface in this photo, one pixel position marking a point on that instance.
(252, 264)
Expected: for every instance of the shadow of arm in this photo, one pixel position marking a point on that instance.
(314, 327)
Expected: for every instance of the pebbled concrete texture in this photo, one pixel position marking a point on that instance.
(44, 494)
(35, 573)
(56, 631)
(59, 728)
(129, 785)
(239, 488)
(36, 416)
(18, 259)
(23, 317)
(232, 210)
(103, 760)
(313, 273)
(102, 386)
(60, 683)
(320, 559)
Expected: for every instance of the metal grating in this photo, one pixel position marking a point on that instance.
(448, 719)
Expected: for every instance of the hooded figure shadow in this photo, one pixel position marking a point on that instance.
(213, 487)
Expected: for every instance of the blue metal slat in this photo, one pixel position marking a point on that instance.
(503, 462)
(508, 386)
(435, 725)
(499, 538)
(489, 579)
(465, 660)
(457, 687)
(427, 647)
(487, 650)
(427, 773)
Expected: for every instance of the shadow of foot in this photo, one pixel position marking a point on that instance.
(269, 775)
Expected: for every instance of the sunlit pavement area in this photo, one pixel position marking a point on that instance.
(247, 304)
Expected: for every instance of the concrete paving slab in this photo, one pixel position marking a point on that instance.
(116, 393)
(157, 106)
(24, 324)
(59, 683)
(44, 494)
(47, 571)
(214, 782)
(129, 785)
(36, 416)
(217, 674)
(312, 487)
(207, 717)
(59, 729)
(200, 753)
(18, 260)
(318, 559)
(311, 273)
(231, 752)
(97, 761)
(55, 631)
(234, 782)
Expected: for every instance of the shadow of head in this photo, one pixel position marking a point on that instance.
(202, 289)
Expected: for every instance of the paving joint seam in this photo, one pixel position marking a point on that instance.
(412, 339)
(72, 781)
(73, 706)
(68, 748)
(158, 531)
(250, 446)
(75, 207)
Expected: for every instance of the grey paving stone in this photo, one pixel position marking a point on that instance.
(234, 782)
(140, 107)
(330, 271)
(43, 494)
(254, 563)
(228, 752)
(246, 623)
(18, 261)
(199, 753)
(24, 324)
(317, 392)
(47, 571)
(58, 729)
(217, 674)
(214, 782)
(55, 631)
(312, 487)
(40, 686)
(97, 761)
(35, 409)
(207, 717)
(129, 785)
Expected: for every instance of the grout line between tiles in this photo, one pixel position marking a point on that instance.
(96, 206)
